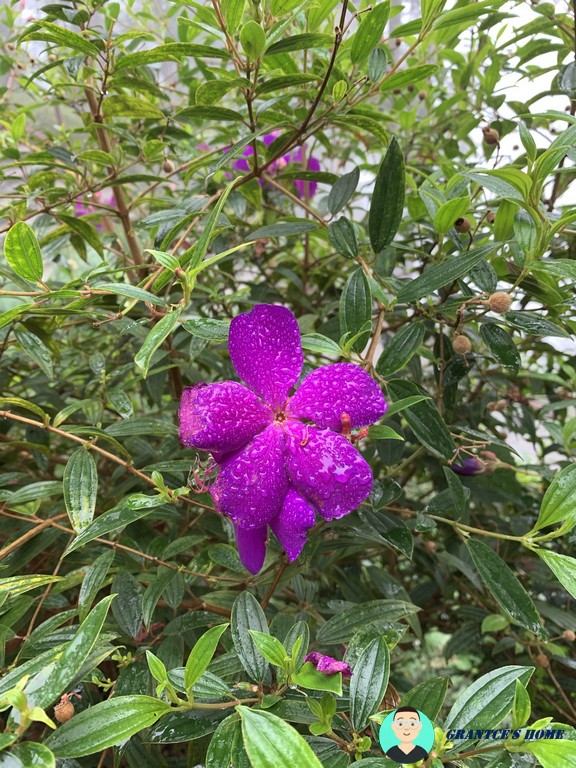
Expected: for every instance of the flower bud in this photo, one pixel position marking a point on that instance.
(491, 135)
(542, 661)
(461, 344)
(569, 635)
(421, 95)
(462, 225)
(410, 87)
(499, 302)
(490, 216)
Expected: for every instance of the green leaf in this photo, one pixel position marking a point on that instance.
(130, 509)
(527, 141)
(19, 402)
(52, 33)
(504, 586)
(17, 585)
(383, 432)
(424, 419)
(201, 655)
(563, 567)
(522, 706)
(565, 268)
(322, 345)
(93, 580)
(343, 190)
(340, 628)
(170, 52)
(303, 42)
(131, 292)
(343, 238)
(253, 39)
(449, 212)
(504, 221)
(35, 348)
(407, 402)
(233, 11)
(156, 336)
(272, 743)
(84, 229)
(247, 614)
(534, 325)
(309, 677)
(457, 491)
(559, 502)
(408, 76)
(130, 106)
(154, 592)
(270, 647)
(220, 747)
(22, 252)
(369, 32)
(369, 682)
(127, 607)
(428, 696)
(51, 682)
(400, 349)
(552, 754)
(219, 114)
(501, 345)
(356, 308)
(80, 485)
(105, 724)
(283, 229)
(488, 700)
(387, 201)
(28, 754)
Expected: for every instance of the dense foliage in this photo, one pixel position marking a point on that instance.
(402, 186)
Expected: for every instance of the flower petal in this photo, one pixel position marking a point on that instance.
(292, 522)
(329, 391)
(252, 483)
(326, 469)
(265, 348)
(330, 666)
(251, 547)
(221, 417)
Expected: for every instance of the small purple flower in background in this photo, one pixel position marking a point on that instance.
(281, 459)
(83, 207)
(304, 189)
(328, 665)
(474, 466)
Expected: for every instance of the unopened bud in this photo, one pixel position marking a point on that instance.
(499, 302)
(168, 166)
(542, 661)
(462, 225)
(461, 344)
(421, 95)
(491, 135)
(569, 635)
(490, 217)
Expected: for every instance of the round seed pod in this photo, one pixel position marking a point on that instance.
(64, 711)
(168, 166)
(499, 302)
(410, 87)
(542, 660)
(490, 216)
(421, 95)
(461, 344)
(491, 135)
(462, 225)
(569, 635)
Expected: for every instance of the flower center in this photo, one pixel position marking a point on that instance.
(279, 417)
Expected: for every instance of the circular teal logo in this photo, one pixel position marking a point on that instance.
(406, 735)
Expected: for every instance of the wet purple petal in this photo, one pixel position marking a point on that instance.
(327, 664)
(329, 472)
(251, 547)
(252, 483)
(292, 522)
(221, 417)
(329, 391)
(265, 348)
(270, 137)
(470, 466)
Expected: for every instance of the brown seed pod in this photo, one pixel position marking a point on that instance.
(431, 546)
(462, 225)
(64, 711)
(421, 95)
(490, 217)
(168, 166)
(542, 661)
(499, 302)
(569, 635)
(410, 87)
(461, 344)
(491, 135)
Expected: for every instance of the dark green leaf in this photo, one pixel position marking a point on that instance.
(283, 229)
(559, 502)
(563, 567)
(93, 580)
(343, 190)
(534, 325)
(80, 485)
(343, 238)
(247, 614)
(156, 336)
(501, 345)
(408, 76)
(428, 696)
(131, 106)
(504, 586)
(400, 349)
(273, 743)
(127, 607)
(303, 42)
(170, 52)
(340, 628)
(369, 32)
(387, 199)
(201, 655)
(105, 724)
(369, 682)
(356, 308)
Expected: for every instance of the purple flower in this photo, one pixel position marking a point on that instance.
(83, 208)
(304, 189)
(327, 664)
(474, 466)
(281, 459)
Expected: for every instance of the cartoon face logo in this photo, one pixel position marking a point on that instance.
(406, 735)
